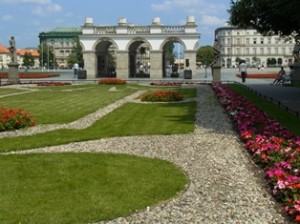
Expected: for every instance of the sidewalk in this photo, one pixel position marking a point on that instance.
(287, 96)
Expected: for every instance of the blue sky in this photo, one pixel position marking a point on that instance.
(25, 19)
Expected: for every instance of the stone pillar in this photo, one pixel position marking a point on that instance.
(122, 64)
(90, 64)
(13, 73)
(191, 55)
(216, 72)
(156, 70)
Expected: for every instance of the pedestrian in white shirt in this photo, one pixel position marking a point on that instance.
(243, 70)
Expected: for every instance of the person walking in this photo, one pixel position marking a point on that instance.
(243, 70)
(75, 68)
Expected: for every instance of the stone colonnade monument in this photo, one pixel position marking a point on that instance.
(136, 47)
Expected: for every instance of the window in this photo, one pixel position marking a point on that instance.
(283, 50)
(262, 40)
(276, 50)
(269, 41)
(238, 41)
(237, 33)
(254, 40)
(269, 50)
(247, 40)
(261, 50)
(247, 50)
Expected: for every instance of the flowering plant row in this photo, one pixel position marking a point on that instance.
(30, 75)
(161, 96)
(111, 81)
(259, 76)
(11, 119)
(273, 147)
(174, 83)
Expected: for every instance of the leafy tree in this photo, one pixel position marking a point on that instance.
(169, 47)
(46, 55)
(269, 17)
(205, 55)
(76, 56)
(28, 59)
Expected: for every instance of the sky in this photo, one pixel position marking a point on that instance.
(25, 19)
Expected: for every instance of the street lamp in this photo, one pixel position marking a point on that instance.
(53, 52)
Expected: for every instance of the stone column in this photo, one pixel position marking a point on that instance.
(90, 64)
(122, 64)
(156, 69)
(13, 73)
(216, 72)
(191, 55)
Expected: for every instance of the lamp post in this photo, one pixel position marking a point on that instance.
(53, 52)
(42, 46)
(48, 59)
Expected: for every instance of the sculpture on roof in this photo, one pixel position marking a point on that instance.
(12, 49)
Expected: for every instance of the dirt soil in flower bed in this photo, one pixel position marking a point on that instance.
(30, 75)
(259, 76)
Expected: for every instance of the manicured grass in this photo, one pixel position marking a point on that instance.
(128, 120)
(5, 91)
(82, 188)
(60, 105)
(286, 119)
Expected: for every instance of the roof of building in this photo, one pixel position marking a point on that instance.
(21, 52)
(3, 49)
(33, 52)
(66, 29)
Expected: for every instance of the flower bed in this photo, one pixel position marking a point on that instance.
(259, 76)
(161, 96)
(273, 147)
(11, 119)
(31, 75)
(111, 81)
(175, 83)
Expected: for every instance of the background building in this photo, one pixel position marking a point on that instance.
(254, 48)
(62, 40)
(5, 56)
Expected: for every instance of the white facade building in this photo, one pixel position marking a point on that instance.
(251, 46)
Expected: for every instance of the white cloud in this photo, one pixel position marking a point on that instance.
(40, 7)
(6, 18)
(172, 4)
(46, 10)
(25, 1)
(212, 21)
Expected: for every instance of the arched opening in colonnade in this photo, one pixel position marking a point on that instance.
(139, 59)
(106, 59)
(173, 62)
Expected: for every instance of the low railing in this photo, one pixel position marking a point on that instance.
(104, 30)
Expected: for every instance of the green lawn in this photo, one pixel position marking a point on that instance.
(128, 120)
(85, 187)
(82, 188)
(65, 104)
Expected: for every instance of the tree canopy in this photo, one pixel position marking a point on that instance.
(279, 17)
(28, 59)
(205, 55)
